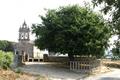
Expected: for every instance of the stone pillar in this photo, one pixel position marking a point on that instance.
(45, 58)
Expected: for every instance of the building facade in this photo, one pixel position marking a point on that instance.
(24, 47)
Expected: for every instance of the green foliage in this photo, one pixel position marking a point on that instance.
(6, 45)
(108, 4)
(5, 59)
(72, 30)
(116, 49)
(113, 7)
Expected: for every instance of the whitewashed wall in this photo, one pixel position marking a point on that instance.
(39, 53)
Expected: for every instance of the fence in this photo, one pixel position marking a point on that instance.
(85, 66)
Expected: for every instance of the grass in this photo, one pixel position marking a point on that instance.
(6, 73)
(17, 70)
(11, 75)
(114, 64)
(42, 78)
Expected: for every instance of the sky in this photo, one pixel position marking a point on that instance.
(14, 12)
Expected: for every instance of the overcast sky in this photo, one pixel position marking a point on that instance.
(14, 12)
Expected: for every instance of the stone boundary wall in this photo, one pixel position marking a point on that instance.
(47, 58)
(81, 64)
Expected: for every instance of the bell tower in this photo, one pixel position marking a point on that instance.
(24, 47)
(24, 32)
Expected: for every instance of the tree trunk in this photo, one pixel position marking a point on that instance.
(71, 57)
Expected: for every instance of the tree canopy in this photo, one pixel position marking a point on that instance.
(72, 30)
(112, 7)
(6, 45)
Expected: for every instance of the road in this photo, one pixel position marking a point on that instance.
(113, 75)
(57, 73)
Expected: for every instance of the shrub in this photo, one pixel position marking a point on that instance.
(5, 59)
(18, 70)
(6, 45)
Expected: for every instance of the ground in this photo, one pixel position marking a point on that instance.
(51, 71)
(113, 75)
(11, 75)
(58, 73)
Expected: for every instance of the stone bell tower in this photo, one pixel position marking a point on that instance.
(24, 32)
(24, 47)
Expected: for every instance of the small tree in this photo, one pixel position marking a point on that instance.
(72, 30)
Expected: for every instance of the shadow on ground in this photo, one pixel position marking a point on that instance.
(109, 78)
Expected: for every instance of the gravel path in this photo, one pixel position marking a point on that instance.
(55, 73)
(113, 75)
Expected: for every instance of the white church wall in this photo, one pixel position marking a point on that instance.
(37, 53)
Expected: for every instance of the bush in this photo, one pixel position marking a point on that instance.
(6, 59)
(113, 64)
(115, 58)
(18, 70)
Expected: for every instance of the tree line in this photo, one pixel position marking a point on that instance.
(6, 45)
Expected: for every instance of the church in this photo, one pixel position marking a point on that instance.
(25, 47)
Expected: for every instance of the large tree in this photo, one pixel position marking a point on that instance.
(72, 30)
(113, 8)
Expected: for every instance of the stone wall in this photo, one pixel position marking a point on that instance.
(81, 64)
(47, 58)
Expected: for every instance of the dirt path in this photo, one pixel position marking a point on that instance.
(55, 73)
